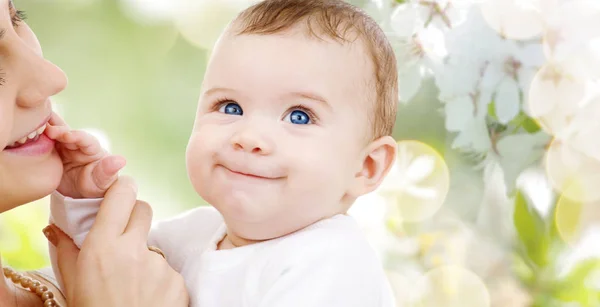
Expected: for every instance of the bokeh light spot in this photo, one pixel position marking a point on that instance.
(572, 173)
(574, 217)
(418, 183)
(450, 286)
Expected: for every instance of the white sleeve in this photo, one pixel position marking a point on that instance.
(75, 218)
(174, 237)
(333, 278)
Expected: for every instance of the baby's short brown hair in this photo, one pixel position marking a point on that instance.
(334, 19)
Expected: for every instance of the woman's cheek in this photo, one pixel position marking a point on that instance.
(6, 121)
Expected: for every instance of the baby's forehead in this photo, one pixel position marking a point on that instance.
(349, 41)
(294, 56)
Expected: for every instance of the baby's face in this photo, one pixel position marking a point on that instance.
(281, 126)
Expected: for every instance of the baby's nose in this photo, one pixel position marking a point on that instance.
(252, 141)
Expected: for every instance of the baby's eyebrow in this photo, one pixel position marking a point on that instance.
(311, 96)
(214, 90)
(294, 94)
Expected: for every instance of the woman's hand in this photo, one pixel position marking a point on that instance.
(114, 267)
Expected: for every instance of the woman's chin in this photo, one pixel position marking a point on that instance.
(28, 182)
(45, 177)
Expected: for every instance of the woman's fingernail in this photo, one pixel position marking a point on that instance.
(50, 235)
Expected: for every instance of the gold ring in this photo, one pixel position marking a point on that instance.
(156, 250)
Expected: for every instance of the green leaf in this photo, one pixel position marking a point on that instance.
(522, 270)
(531, 231)
(544, 300)
(530, 125)
(586, 297)
(518, 120)
(523, 121)
(492, 110)
(582, 271)
(573, 288)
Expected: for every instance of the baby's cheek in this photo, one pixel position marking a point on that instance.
(318, 167)
(194, 158)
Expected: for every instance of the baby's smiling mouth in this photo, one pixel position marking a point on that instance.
(251, 174)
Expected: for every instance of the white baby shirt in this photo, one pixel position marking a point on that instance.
(328, 264)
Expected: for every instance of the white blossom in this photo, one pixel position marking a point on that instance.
(572, 36)
(515, 19)
(417, 32)
(407, 174)
(417, 56)
(519, 152)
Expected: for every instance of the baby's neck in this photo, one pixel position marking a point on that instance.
(231, 241)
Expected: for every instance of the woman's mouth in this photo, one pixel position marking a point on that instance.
(31, 138)
(34, 144)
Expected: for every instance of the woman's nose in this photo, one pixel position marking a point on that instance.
(40, 79)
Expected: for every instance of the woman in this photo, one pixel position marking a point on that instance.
(114, 266)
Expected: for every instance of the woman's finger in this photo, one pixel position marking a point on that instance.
(66, 254)
(140, 222)
(116, 208)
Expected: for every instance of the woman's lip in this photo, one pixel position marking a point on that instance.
(36, 128)
(40, 147)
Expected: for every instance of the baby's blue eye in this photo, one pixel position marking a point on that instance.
(298, 117)
(231, 108)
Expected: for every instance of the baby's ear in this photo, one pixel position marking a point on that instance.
(379, 157)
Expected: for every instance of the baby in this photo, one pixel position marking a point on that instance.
(293, 124)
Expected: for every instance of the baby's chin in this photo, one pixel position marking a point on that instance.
(254, 213)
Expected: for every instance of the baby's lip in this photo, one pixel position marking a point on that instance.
(253, 174)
